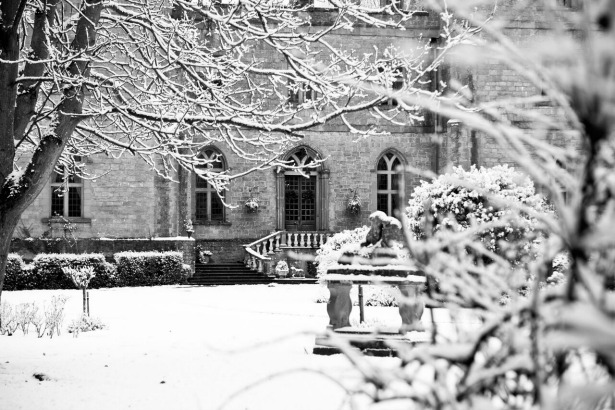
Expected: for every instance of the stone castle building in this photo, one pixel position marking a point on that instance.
(128, 200)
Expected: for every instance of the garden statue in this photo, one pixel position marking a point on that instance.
(381, 236)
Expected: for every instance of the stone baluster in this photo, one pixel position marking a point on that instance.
(295, 240)
(289, 241)
(322, 239)
(277, 242)
(271, 245)
(261, 249)
(259, 266)
(302, 241)
(309, 240)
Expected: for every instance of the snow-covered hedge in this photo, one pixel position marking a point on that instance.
(481, 195)
(149, 268)
(15, 277)
(48, 273)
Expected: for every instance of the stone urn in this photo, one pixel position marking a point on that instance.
(281, 269)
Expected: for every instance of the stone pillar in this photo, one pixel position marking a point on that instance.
(324, 200)
(411, 307)
(456, 147)
(279, 195)
(339, 305)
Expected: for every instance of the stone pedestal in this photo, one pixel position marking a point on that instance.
(339, 305)
(411, 307)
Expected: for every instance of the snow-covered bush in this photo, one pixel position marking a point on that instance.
(48, 270)
(8, 324)
(149, 268)
(500, 200)
(54, 315)
(81, 277)
(373, 295)
(345, 241)
(14, 278)
(186, 270)
(85, 324)
(381, 296)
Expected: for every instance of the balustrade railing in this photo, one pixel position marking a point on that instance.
(301, 239)
(257, 252)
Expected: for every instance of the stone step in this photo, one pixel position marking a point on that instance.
(226, 274)
(215, 281)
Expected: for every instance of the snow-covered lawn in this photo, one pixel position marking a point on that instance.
(178, 347)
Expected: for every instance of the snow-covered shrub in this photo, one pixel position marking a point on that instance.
(381, 296)
(345, 241)
(24, 315)
(8, 324)
(81, 277)
(373, 295)
(54, 315)
(14, 277)
(85, 324)
(48, 270)
(501, 199)
(186, 270)
(149, 268)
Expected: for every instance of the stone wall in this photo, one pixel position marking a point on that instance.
(226, 250)
(118, 202)
(127, 200)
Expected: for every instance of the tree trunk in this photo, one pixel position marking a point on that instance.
(18, 192)
(8, 222)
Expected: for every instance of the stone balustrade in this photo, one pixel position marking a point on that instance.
(259, 253)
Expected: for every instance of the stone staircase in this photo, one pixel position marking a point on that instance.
(226, 274)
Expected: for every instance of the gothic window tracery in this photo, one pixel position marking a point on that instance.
(387, 182)
(208, 206)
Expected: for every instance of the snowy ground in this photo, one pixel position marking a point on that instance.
(182, 348)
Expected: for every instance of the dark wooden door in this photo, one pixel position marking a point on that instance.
(300, 203)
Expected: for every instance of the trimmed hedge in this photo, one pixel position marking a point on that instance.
(133, 269)
(49, 273)
(16, 275)
(149, 268)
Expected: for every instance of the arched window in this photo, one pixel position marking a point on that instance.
(207, 204)
(387, 183)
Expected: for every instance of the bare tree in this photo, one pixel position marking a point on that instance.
(539, 345)
(160, 81)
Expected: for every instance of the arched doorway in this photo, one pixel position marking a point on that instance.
(302, 194)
